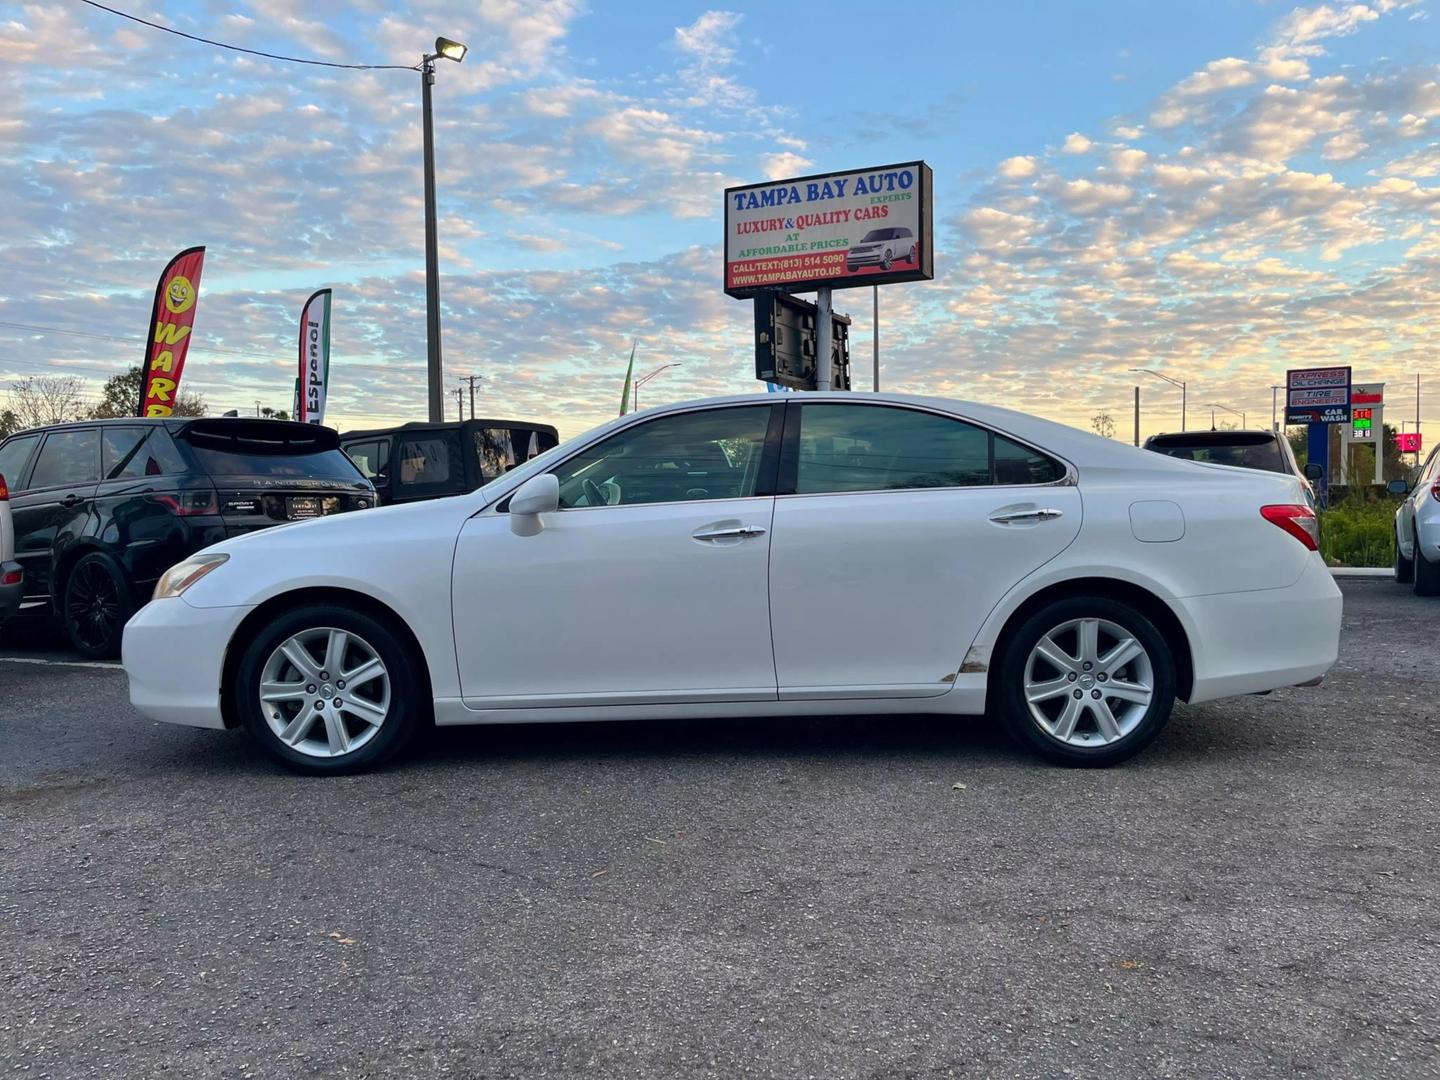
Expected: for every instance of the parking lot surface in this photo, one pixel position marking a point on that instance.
(1256, 895)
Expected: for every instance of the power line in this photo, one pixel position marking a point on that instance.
(252, 52)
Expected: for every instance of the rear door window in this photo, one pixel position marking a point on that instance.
(131, 452)
(429, 462)
(68, 457)
(13, 457)
(370, 457)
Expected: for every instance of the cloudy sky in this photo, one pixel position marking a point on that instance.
(1219, 189)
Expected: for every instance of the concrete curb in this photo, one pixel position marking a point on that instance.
(1362, 571)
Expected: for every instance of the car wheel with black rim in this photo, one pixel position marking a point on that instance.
(1404, 568)
(913, 255)
(95, 606)
(1425, 580)
(887, 260)
(328, 689)
(1086, 681)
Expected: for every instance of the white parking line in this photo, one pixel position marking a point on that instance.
(59, 663)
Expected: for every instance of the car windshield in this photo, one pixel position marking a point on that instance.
(876, 235)
(1247, 451)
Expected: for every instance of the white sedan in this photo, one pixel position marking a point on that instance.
(821, 555)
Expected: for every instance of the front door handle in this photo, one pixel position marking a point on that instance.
(70, 500)
(733, 532)
(1010, 517)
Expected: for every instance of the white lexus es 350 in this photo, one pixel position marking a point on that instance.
(745, 556)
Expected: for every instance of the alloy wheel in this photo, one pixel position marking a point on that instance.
(324, 692)
(92, 606)
(1088, 682)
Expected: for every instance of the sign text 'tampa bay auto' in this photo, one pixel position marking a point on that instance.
(866, 227)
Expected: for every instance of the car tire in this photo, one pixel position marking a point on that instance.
(887, 260)
(1425, 575)
(1404, 568)
(913, 256)
(1037, 695)
(95, 604)
(311, 718)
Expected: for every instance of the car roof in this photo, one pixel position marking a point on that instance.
(446, 425)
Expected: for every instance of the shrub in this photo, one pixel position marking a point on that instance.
(1358, 531)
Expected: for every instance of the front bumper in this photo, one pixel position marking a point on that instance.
(1250, 642)
(173, 654)
(862, 258)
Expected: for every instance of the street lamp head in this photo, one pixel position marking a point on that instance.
(450, 50)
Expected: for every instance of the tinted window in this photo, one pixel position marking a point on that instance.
(318, 465)
(871, 448)
(370, 457)
(13, 456)
(429, 460)
(129, 452)
(692, 456)
(1016, 464)
(68, 457)
(1252, 453)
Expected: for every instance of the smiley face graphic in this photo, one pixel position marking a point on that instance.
(180, 296)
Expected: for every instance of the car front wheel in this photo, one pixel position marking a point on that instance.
(1086, 681)
(328, 689)
(887, 260)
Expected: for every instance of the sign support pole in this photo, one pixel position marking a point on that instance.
(824, 330)
(1137, 416)
(875, 296)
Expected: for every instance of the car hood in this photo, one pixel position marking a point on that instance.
(380, 524)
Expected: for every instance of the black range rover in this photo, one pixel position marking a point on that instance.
(102, 508)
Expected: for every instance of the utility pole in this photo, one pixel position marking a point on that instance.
(1137, 416)
(459, 404)
(1274, 421)
(471, 380)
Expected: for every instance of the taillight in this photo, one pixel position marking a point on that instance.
(12, 577)
(1434, 489)
(189, 503)
(1299, 521)
(4, 491)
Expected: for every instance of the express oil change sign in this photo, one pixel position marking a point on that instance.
(869, 227)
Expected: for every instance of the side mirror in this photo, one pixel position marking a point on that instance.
(1313, 471)
(538, 495)
(1398, 487)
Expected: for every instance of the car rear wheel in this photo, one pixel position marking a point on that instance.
(1086, 681)
(96, 605)
(1404, 568)
(913, 255)
(328, 689)
(1425, 574)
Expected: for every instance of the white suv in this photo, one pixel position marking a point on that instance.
(1417, 530)
(882, 247)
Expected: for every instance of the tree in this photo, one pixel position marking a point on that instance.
(45, 399)
(121, 397)
(9, 423)
(1103, 424)
(267, 413)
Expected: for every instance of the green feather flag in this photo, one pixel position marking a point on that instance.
(629, 372)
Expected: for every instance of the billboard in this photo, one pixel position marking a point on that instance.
(1408, 442)
(172, 318)
(835, 230)
(1317, 395)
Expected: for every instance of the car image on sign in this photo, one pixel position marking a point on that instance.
(840, 553)
(882, 248)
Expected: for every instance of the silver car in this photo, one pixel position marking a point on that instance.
(1417, 530)
(883, 248)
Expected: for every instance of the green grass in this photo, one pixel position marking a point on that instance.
(1358, 532)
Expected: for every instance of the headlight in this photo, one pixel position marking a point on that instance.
(184, 574)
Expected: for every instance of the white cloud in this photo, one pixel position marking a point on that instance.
(1075, 143)
(1017, 168)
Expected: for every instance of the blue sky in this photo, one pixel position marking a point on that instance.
(1220, 190)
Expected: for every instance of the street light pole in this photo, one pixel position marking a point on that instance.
(1244, 422)
(450, 50)
(635, 387)
(1173, 382)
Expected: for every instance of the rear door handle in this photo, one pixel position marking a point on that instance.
(1012, 516)
(734, 532)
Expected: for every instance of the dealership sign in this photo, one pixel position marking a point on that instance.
(835, 230)
(1317, 396)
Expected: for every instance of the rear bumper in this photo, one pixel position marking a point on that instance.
(1245, 643)
(10, 595)
(173, 655)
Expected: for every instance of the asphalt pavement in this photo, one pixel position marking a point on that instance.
(1256, 895)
